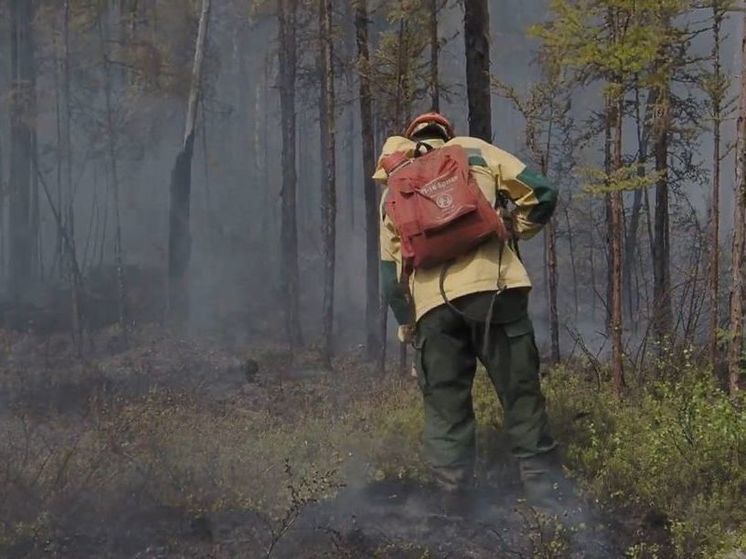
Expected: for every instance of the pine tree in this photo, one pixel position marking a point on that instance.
(738, 263)
(611, 42)
(328, 179)
(288, 48)
(372, 295)
(22, 152)
(545, 111)
(715, 86)
(477, 43)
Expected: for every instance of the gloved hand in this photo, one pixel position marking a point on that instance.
(406, 333)
(505, 231)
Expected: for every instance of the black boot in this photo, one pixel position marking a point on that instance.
(455, 492)
(544, 483)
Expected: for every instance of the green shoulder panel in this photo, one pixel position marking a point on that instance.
(546, 195)
(476, 157)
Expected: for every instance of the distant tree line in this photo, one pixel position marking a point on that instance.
(623, 99)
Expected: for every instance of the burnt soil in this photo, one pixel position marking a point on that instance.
(43, 385)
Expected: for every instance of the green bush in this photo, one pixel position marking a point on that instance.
(675, 450)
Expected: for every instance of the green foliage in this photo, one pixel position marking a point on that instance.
(626, 178)
(399, 73)
(675, 450)
(603, 38)
(395, 422)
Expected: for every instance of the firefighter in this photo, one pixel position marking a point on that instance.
(475, 309)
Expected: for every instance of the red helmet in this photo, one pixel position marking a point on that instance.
(424, 120)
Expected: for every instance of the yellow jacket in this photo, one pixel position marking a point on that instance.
(487, 268)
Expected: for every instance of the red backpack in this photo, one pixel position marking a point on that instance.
(437, 206)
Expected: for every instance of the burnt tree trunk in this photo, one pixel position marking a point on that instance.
(179, 239)
(288, 53)
(662, 313)
(713, 288)
(22, 123)
(608, 168)
(3, 191)
(351, 152)
(328, 179)
(738, 271)
(373, 309)
(550, 255)
(477, 38)
(551, 248)
(632, 242)
(115, 186)
(434, 57)
(616, 233)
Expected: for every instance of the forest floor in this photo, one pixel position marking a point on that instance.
(176, 447)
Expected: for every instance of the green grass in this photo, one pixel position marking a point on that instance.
(673, 449)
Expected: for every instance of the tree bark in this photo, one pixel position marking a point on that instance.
(372, 295)
(714, 232)
(551, 244)
(632, 242)
(288, 54)
(662, 313)
(3, 191)
(616, 234)
(351, 159)
(328, 179)
(434, 57)
(179, 242)
(22, 123)
(738, 271)
(477, 39)
(550, 255)
(114, 176)
(608, 168)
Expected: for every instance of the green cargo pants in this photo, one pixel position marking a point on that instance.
(448, 344)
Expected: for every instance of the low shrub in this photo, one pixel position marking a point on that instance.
(673, 452)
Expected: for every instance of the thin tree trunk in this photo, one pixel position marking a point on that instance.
(401, 72)
(179, 241)
(571, 242)
(114, 173)
(615, 255)
(68, 242)
(289, 235)
(632, 240)
(77, 282)
(592, 259)
(3, 193)
(662, 314)
(608, 168)
(22, 123)
(434, 57)
(372, 296)
(350, 32)
(477, 39)
(714, 240)
(735, 346)
(401, 106)
(552, 272)
(37, 266)
(329, 199)
(550, 244)
(383, 312)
